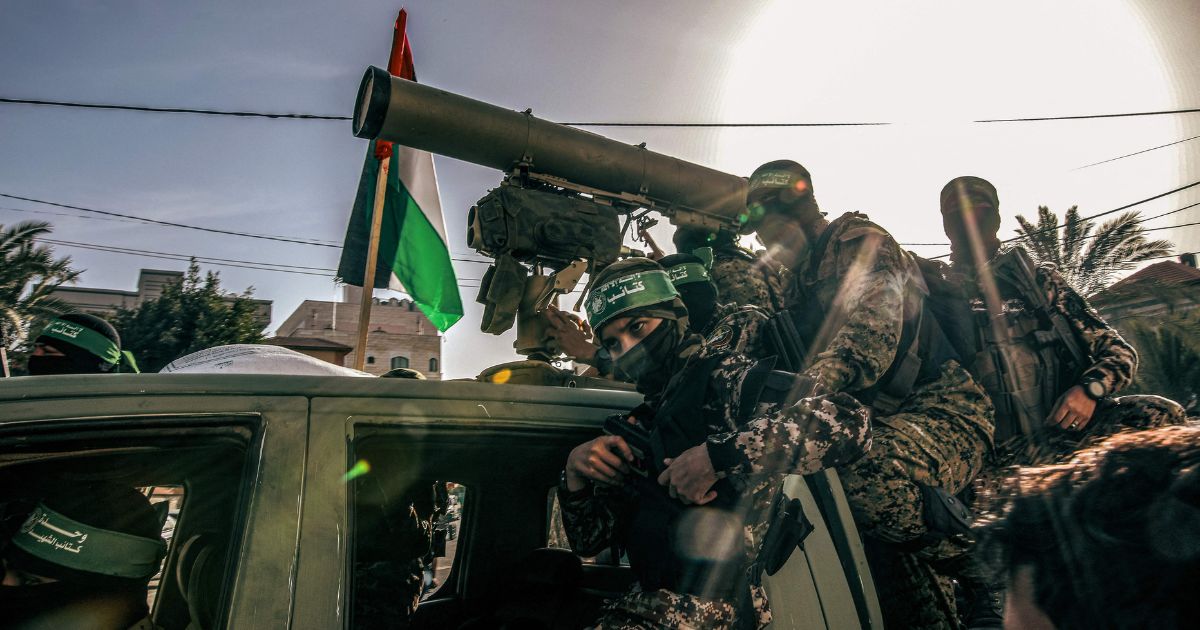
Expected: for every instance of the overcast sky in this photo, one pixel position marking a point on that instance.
(928, 67)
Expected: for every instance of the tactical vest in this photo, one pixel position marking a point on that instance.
(1028, 354)
(676, 425)
(923, 347)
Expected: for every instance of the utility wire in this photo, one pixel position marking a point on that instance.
(1138, 222)
(172, 110)
(224, 262)
(1121, 157)
(1091, 116)
(1105, 213)
(270, 237)
(243, 114)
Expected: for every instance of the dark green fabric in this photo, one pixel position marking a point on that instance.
(628, 292)
(63, 541)
(83, 337)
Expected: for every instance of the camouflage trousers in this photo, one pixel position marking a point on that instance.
(939, 437)
(665, 610)
(912, 595)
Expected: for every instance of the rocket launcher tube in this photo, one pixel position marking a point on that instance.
(429, 119)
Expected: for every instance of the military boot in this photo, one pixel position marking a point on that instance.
(982, 597)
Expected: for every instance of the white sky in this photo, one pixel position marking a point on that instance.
(929, 67)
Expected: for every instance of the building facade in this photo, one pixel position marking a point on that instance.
(106, 302)
(399, 335)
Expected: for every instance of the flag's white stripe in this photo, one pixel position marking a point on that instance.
(415, 170)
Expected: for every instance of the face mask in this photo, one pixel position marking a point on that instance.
(645, 363)
(24, 603)
(48, 366)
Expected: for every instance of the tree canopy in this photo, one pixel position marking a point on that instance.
(1089, 258)
(29, 273)
(188, 316)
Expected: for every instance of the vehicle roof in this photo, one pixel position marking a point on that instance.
(28, 388)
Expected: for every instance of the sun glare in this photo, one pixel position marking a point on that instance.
(933, 68)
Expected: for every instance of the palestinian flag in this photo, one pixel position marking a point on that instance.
(413, 253)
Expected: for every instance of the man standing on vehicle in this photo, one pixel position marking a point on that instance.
(857, 302)
(78, 343)
(729, 427)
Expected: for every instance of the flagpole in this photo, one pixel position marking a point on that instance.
(368, 288)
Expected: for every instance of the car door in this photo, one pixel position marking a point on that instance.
(373, 454)
(227, 468)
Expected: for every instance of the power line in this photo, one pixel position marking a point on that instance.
(64, 214)
(1159, 216)
(223, 262)
(246, 114)
(1138, 222)
(1121, 157)
(172, 110)
(1105, 213)
(124, 250)
(1091, 116)
(270, 237)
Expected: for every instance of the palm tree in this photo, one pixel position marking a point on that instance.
(1118, 245)
(29, 273)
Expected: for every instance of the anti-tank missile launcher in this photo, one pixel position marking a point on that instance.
(560, 204)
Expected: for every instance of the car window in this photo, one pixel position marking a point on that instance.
(168, 501)
(194, 474)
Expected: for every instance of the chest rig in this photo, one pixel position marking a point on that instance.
(1028, 354)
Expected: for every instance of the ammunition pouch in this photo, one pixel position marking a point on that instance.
(787, 530)
(944, 514)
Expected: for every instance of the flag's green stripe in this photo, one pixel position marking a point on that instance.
(409, 248)
(422, 265)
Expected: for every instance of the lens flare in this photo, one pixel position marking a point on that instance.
(361, 467)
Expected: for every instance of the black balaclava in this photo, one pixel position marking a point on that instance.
(654, 359)
(77, 360)
(699, 294)
(971, 204)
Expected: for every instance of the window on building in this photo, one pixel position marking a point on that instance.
(399, 362)
(433, 364)
(370, 360)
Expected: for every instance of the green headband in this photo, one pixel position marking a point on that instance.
(83, 337)
(687, 273)
(773, 179)
(705, 254)
(627, 293)
(89, 340)
(57, 539)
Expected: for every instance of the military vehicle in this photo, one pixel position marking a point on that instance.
(284, 486)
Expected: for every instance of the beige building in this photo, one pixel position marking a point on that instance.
(399, 335)
(150, 283)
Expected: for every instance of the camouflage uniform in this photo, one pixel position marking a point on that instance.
(1113, 363)
(941, 432)
(743, 278)
(809, 435)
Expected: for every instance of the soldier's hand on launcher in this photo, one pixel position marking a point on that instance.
(690, 477)
(1073, 410)
(604, 460)
(572, 334)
